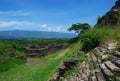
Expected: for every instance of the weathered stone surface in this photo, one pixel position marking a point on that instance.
(117, 63)
(117, 54)
(113, 58)
(93, 78)
(98, 53)
(99, 66)
(103, 46)
(67, 64)
(112, 46)
(94, 59)
(92, 72)
(84, 77)
(111, 18)
(118, 79)
(71, 79)
(99, 75)
(105, 57)
(42, 51)
(106, 71)
(112, 67)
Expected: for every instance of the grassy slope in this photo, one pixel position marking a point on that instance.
(40, 69)
(39, 72)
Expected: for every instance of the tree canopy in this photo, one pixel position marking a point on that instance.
(79, 27)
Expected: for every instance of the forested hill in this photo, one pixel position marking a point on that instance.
(34, 34)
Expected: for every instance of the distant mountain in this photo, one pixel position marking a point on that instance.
(33, 34)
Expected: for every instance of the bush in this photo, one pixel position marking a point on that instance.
(92, 38)
(19, 53)
(7, 57)
(8, 63)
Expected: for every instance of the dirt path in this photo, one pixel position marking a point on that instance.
(62, 54)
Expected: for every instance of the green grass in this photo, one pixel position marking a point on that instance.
(40, 72)
(44, 69)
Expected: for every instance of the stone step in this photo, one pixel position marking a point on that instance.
(112, 67)
(113, 58)
(104, 46)
(84, 77)
(94, 58)
(117, 54)
(98, 52)
(105, 57)
(118, 79)
(117, 63)
(103, 50)
(99, 74)
(105, 70)
(92, 72)
(112, 46)
(93, 78)
(70, 79)
(89, 78)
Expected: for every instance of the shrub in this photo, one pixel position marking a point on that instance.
(8, 63)
(6, 50)
(92, 38)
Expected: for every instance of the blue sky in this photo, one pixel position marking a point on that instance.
(50, 15)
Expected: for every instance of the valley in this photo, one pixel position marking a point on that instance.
(92, 53)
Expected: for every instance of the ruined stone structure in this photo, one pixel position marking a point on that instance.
(43, 51)
(102, 65)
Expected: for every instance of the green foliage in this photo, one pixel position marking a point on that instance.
(19, 53)
(39, 72)
(19, 44)
(90, 39)
(6, 49)
(79, 27)
(99, 17)
(8, 63)
(111, 79)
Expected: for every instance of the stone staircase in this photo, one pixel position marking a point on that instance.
(102, 65)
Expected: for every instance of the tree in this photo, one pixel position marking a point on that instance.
(79, 27)
(98, 19)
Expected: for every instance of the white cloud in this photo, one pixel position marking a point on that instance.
(45, 27)
(59, 29)
(49, 29)
(15, 13)
(17, 28)
(14, 23)
(23, 25)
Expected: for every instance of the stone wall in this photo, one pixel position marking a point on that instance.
(43, 51)
(102, 65)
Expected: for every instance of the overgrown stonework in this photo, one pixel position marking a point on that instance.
(43, 51)
(102, 65)
(111, 18)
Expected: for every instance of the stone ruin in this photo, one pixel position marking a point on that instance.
(102, 65)
(43, 50)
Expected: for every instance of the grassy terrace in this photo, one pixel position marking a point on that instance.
(37, 69)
